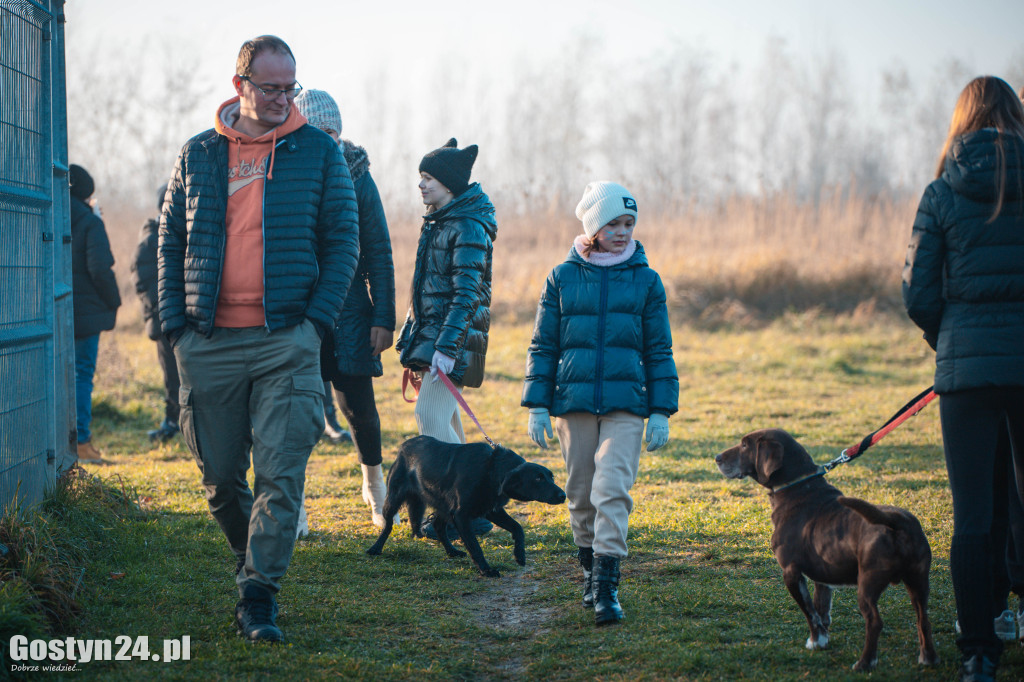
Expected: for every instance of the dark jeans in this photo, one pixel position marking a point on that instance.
(355, 400)
(165, 354)
(86, 350)
(971, 421)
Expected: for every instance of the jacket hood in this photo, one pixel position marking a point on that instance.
(227, 117)
(973, 164)
(638, 259)
(472, 204)
(357, 159)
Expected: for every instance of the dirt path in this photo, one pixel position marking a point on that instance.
(508, 605)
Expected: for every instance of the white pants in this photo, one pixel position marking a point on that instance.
(437, 411)
(602, 457)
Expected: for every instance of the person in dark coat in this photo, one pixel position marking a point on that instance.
(601, 362)
(963, 285)
(144, 276)
(350, 356)
(259, 242)
(449, 316)
(96, 300)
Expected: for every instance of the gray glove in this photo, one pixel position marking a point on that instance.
(539, 424)
(657, 431)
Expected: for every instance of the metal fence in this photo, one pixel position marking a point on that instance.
(37, 409)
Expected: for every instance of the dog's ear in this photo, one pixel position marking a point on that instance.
(512, 482)
(767, 457)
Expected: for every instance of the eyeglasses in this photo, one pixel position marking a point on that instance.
(272, 93)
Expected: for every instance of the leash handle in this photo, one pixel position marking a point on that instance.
(411, 378)
(462, 401)
(915, 405)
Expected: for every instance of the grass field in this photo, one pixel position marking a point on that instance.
(702, 592)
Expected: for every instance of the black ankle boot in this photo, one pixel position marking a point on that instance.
(586, 557)
(977, 668)
(606, 591)
(255, 614)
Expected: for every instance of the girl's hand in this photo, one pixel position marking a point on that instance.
(539, 424)
(441, 362)
(657, 431)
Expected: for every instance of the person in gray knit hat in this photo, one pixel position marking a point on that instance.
(350, 355)
(601, 362)
(446, 327)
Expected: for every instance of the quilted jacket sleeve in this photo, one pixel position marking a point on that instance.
(377, 263)
(469, 248)
(545, 349)
(922, 271)
(337, 242)
(662, 379)
(171, 253)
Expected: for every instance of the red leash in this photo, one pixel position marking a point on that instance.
(903, 414)
(410, 377)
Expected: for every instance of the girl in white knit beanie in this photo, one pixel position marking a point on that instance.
(601, 362)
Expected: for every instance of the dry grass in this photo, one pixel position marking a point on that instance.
(738, 262)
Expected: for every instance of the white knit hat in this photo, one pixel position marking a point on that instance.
(320, 109)
(602, 203)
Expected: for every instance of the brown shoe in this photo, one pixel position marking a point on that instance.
(87, 454)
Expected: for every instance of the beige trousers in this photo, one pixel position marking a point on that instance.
(437, 412)
(602, 457)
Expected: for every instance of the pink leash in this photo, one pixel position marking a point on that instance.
(409, 377)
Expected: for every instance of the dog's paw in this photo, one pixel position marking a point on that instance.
(520, 556)
(374, 551)
(863, 666)
(928, 658)
(490, 573)
(455, 552)
(821, 642)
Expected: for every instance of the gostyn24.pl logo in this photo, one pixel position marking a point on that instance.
(30, 655)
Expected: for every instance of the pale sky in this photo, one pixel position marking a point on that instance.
(399, 47)
(335, 40)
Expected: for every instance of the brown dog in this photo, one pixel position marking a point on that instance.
(834, 540)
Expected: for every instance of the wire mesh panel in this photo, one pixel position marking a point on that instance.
(31, 234)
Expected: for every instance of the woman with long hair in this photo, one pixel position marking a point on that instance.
(963, 285)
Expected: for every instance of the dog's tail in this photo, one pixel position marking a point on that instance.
(893, 517)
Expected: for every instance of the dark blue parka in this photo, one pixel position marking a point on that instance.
(371, 299)
(963, 281)
(95, 296)
(602, 341)
(310, 233)
(451, 288)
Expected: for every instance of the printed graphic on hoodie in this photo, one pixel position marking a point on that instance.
(245, 173)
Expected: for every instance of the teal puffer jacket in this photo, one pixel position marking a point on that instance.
(963, 280)
(451, 288)
(602, 341)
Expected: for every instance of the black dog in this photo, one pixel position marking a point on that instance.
(835, 540)
(460, 483)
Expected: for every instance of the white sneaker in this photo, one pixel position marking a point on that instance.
(374, 492)
(1006, 626)
(302, 530)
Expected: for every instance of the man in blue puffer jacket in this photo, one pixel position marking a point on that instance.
(258, 246)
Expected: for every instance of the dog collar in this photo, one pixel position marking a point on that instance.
(820, 472)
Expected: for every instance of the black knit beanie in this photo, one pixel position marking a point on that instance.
(82, 185)
(450, 165)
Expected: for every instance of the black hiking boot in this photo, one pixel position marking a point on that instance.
(607, 610)
(255, 614)
(586, 557)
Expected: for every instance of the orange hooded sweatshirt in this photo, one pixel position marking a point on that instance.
(250, 163)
